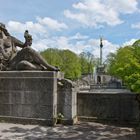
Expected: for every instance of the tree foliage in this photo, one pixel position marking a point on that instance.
(125, 64)
(52, 56)
(71, 64)
(87, 61)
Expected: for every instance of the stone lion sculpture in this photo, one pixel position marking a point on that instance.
(25, 59)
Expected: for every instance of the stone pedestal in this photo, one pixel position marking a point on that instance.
(36, 97)
(29, 95)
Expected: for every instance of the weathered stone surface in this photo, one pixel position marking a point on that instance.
(67, 101)
(118, 107)
(28, 94)
(36, 95)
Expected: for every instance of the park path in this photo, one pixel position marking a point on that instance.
(81, 131)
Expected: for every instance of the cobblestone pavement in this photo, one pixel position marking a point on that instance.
(81, 131)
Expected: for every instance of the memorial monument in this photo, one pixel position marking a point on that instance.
(31, 90)
(102, 81)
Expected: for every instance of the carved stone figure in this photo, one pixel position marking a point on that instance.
(25, 59)
(29, 59)
(28, 39)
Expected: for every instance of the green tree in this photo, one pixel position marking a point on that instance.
(125, 64)
(87, 61)
(71, 64)
(66, 60)
(52, 56)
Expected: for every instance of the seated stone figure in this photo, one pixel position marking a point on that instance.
(25, 59)
(28, 39)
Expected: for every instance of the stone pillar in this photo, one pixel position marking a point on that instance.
(67, 101)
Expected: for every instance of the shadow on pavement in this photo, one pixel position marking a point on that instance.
(81, 131)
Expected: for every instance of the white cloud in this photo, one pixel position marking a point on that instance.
(39, 27)
(75, 43)
(80, 17)
(15, 26)
(39, 30)
(136, 25)
(51, 23)
(65, 43)
(19, 27)
(130, 42)
(40, 45)
(95, 13)
(78, 36)
(124, 6)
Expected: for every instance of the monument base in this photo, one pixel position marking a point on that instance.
(28, 95)
(34, 97)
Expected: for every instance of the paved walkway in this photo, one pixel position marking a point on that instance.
(81, 131)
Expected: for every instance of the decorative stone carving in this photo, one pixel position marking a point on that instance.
(25, 59)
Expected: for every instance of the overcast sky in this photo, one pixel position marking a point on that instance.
(73, 24)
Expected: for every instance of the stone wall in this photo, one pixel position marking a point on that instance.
(29, 95)
(115, 107)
